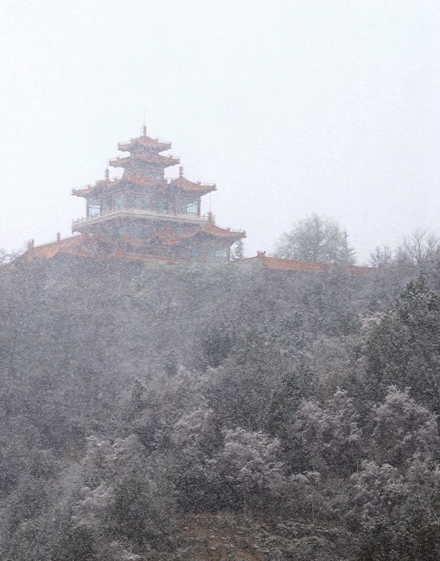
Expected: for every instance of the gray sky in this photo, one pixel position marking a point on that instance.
(290, 107)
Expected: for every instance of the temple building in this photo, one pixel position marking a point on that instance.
(144, 214)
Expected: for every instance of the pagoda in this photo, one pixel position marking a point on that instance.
(145, 215)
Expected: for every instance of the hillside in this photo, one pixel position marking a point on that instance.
(158, 411)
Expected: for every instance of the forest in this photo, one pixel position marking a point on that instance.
(156, 411)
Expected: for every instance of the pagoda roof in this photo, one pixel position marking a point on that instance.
(122, 253)
(100, 184)
(75, 245)
(215, 231)
(144, 142)
(170, 237)
(281, 264)
(288, 264)
(186, 185)
(145, 181)
(147, 157)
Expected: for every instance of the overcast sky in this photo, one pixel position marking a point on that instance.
(290, 107)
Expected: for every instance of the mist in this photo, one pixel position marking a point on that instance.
(290, 108)
(171, 388)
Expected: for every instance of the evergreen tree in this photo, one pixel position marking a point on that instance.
(238, 250)
(404, 348)
(286, 400)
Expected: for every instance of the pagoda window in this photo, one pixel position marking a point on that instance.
(120, 200)
(217, 253)
(221, 253)
(93, 209)
(189, 207)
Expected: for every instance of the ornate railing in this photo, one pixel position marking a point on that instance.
(194, 218)
(143, 212)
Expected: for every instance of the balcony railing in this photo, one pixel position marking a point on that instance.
(155, 214)
(152, 214)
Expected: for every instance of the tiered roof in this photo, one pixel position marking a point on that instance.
(144, 150)
(186, 185)
(147, 158)
(144, 141)
(100, 185)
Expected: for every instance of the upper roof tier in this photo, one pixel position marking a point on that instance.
(181, 184)
(144, 142)
(145, 166)
(147, 158)
(100, 185)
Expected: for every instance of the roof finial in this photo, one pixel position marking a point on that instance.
(107, 174)
(144, 129)
(181, 171)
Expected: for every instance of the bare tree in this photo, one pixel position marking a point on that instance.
(316, 238)
(381, 257)
(421, 247)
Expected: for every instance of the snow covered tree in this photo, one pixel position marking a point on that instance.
(397, 512)
(404, 430)
(240, 389)
(250, 469)
(197, 437)
(78, 544)
(404, 347)
(199, 432)
(293, 388)
(327, 438)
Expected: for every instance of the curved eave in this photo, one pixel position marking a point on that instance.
(214, 231)
(153, 159)
(189, 186)
(97, 188)
(84, 192)
(144, 142)
(171, 238)
(74, 245)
